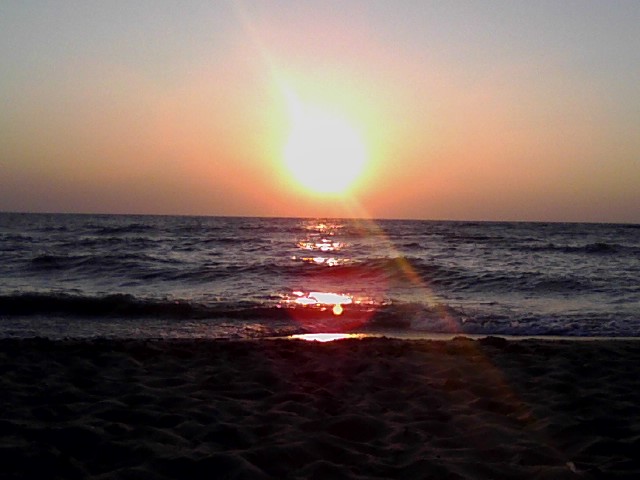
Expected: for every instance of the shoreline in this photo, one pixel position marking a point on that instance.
(412, 336)
(445, 337)
(357, 408)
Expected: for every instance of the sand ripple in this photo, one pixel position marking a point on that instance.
(359, 408)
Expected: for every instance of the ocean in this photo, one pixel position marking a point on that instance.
(126, 276)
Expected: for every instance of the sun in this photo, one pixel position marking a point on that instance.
(324, 153)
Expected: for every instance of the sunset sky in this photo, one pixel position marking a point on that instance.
(485, 110)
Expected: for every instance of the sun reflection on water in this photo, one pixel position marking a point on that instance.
(324, 245)
(328, 261)
(323, 299)
(326, 298)
(326, 337)
(320, 241)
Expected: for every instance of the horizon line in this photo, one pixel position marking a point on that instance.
(295, 217)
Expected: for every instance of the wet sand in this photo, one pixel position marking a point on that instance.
(357, 408)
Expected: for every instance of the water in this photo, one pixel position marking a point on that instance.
(161, 276)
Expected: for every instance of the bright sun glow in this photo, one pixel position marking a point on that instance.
(324, 153)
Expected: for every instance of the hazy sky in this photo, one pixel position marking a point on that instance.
(488, 110)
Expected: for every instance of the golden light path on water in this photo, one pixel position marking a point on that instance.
(327, 250)
(324, 244)
(347, 299)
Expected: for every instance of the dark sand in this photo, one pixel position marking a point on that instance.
(369, 408)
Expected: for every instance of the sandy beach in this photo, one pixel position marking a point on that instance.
(357, 408)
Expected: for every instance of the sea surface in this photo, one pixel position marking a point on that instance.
(218, 277)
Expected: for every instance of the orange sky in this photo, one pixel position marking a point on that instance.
(488, 111)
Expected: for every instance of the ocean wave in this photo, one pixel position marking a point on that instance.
(412, 245)
(122, 229)
(108, 305)
(111, 242)
(368, 272)
(15, 237)
(128, 306)
(124, 304)
(95, 263)
(595, 248)
(393, 316)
